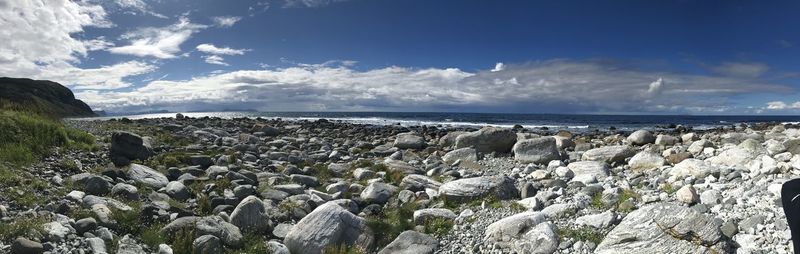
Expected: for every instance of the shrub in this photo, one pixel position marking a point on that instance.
(438, 226)
(26, 227)
(392, 222)
(583, 233)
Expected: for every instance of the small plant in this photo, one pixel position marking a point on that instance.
(152, 235)
(342, 249)
(252, 244)
(204, 205)
(668, 188)
(392, 222)
(583, 233)
(26, 227)
(182, 240)
(394, 177)
(438, 226)
(69, 164)
(517, 207)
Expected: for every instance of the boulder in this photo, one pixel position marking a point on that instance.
(411, 242)
(488, 139)
(596, 169)
(697, 146)
(409, 140)
(147, 176)
(210, 225)
(641, 137)
(177, 191)
(328, 225)
(666, 140)
(609, 154)
(126, 146)
(536, 150)
(526, 232)
(207, 244)
(693, 167)
(449, 139)
(664, 228)
(687, 194)
(646, 160)
(251, 216)
(378, 192)
(463, 154)
(424, 215)
(25, 246)
(467, 189)
(599, 221)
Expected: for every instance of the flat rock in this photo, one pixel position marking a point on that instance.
(536, 150)
(411, 242)
(609, 154)
(488, 139)
(467, 189)
(147, 176)
(328, 225)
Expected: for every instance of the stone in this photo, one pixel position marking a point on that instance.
(424, 215)
(687, 194)
(210, 225)
(449, 139)
(363, 174)
(658, 227)
(85, 225)
(641, 137)
(328, 225)
(24, 246)
(416, 182)
(177, 191)
(599, 221)
(609, 154)
(204, 161)
(488, 139)
(710, 197)
(126, 146)
(147, 176)
(125, 191)
(207, 244)
(275, 247)
(693, 167)
(467, 189)
(127, 245)
(409, 140)
(595, 169)
(466, 154)
(689, 137)
(96, 245)
(250, 215)
(411, 242)
(526, 232)
(96, 185)
(646, 160)
(697, 147)
(378, 192)
(55, 231)
(164, 249)
(531, 203)
(536, 150)
(666, 140)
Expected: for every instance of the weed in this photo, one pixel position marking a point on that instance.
(438, 226)
(29, 226)
(394, 177)
(583, 233)
(152, 235)
(342, 249)
(182, 240)
(253, 244)
(393, 222)
(668, 188)
(26, 137)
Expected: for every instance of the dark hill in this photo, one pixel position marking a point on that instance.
(41, 96)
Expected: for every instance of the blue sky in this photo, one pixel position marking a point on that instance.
(662, 57)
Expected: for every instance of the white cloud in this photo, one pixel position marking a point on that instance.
(161, 42)
(498, 67)
(103, 77)
(656, 87)
(548, 86)
(214, 50)
(779, 105)
(99, 43)
(138, 6)
(214, 59)
(226, 21)
(309, 3)
(746, 70)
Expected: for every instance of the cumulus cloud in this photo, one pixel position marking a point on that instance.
(214, 50)
(656, 87)
(158, 42)
(780, 105)
(746, 70)
(138, 7)
(547, 86)
(214, 59)
(225, 21)
(103, 77)
(99, 43)
(498, 67)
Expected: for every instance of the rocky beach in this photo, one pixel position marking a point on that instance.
(252, 185)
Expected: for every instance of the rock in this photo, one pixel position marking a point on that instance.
(85, 225)
(304, 180)
(646, 160)
(467, 189)
(147, 176)
(664, 228)
(55, 231)
(363, 174)
(488, 139)
(599, 221)
(711, 197)
(537, 150)
(126, 146)
(204, 161)
(328, 225)
(693, 167)
(96, 245)
(792, 145)
(597, 170)
(419, 183)
(687, 194)
(449, 139)
(164, 249)
(697, 147)
(689, 137)
(378, 192)
(127, 245)
(609, 154)
(125, 191)
(462, 154)
(96, 185)
(641, 137)
(210, 225)
(409, 140)
(277, 248)
(411, 242)
(738, 156)
(424, 215)
(531, 203)
(24, 246)
(207, 244)
(251, 216)
(666, 140)
(525, 232)
(177, 190)
(265, 130)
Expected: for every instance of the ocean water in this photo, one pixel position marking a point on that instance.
(551, 121)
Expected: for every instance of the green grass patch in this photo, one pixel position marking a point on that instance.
(583, 233)
(438, 226)
(343, 249)
(25, 137)
(668, 188)
(391, 223)
(20, 187)
(22, 227)
(151, 236)
(252, 244)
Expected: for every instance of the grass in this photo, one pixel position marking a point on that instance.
(597, 200)
(25, 227)
(392, 176)
(668, 188)
(342, 249)
(69, 164)
(182, 240)
(438, 226)
(583, 233)
(21, 187)
(26, 137)
(168, 159)
(391, 223)
(252, 244)
(152, 235)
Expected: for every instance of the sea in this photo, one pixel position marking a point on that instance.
(571, 122)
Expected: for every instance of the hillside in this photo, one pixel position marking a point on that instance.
(41, 96)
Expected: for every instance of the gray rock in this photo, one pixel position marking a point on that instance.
(697, 146)
(251, 216)
(526, 232)
(463, 154)
(125, 191)
(488, 139)
(687, 194)
(210, 225)
(424, 215)
(536, 150)
(277, 248)
(207, 244)
(204, 161)
(147, 176)
(164, 249)
(646, 160)
(85, 225)
(363, 174)
(596, 169)
(177, 190)
(96, 185)
(600, 221)
(127, 245)
(24, 246)
(464, 190)
(328, 225)
(411, 242)
(56, 232)
(409, 140)
(641, 137)
(666, 140)
(378, 192)
(693, 167)
(609, 154)
(96, 245)
(126, 146)
(710, 197)
(281, 230)
(419, 183)
(664, 228)
(449, 139)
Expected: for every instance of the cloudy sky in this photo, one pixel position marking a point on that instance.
(654, 57)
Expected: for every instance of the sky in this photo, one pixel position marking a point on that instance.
(587, 57)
